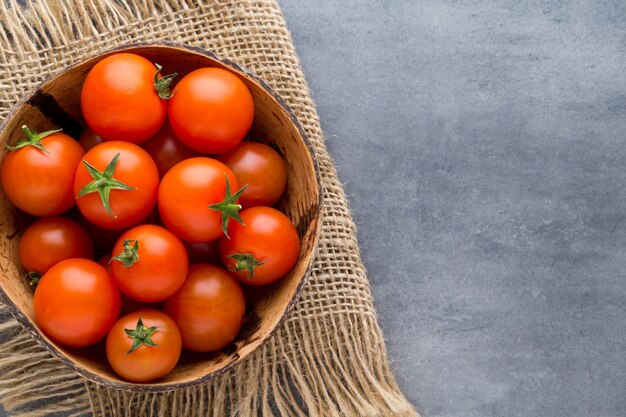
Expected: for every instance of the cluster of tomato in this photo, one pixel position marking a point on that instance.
(177, 230)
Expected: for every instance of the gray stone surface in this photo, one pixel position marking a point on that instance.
(482, 146)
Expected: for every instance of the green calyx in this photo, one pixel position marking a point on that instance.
(34, 278)
(141, 335)
(130, 255)
(245, 261)
(103, 182)
(229, 208)
(32, 139)
(162, 85)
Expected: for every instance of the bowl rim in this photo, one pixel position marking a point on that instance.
(21, 318)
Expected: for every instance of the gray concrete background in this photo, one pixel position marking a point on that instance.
(482, 145)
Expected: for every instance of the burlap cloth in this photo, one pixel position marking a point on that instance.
(328, 358)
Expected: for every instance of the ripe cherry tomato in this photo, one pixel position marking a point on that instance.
(203, 252)
(212, 110)
(50, 240)
(88, 139)
(208, 309)
(128, 173)
(149, 263)
(37, 174)
(76, 302)
(263, 251)
(144, 345)
(259, 166)
(124, 98)
(194, 200)
(167, 150)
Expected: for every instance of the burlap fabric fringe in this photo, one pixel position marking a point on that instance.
(328, 358)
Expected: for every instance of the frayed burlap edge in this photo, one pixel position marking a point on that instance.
(328, 358)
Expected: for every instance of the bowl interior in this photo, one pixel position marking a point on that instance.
(56, 103)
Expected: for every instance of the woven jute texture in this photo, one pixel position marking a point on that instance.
(328, 358)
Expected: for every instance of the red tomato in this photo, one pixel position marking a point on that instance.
(88, 139)
(38, 173)
(208, 309)
(53, 239)
(203, 252)
(149, 263)
(194, 200)
(76, 302)
(212, 110)
(144, 345)
(263, 251)
(123, 98)
(131, 176)
(167, 150)
(261, 168)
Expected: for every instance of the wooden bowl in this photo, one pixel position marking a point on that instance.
(56, 103)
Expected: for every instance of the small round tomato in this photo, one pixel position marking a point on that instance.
(37, 173)
(263, 251)
(208, 309)
(124, 98)
(116, 185)
(212, 110)
(50, 240)
(76, 302)
(167, 150)
(195, 199)
(261, 168)
(203, 252)
(144, 345)
(149, 263)
(88, 139)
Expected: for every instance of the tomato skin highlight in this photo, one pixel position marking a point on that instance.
(259, 166)
(187, 191)
(76, 302)
(212, 110)
(209, 308)
(270, 237)
(119, 101)
(167, 150)
(135, 168)
(161, 267)
(51, 240)
(41, 183)
(146, 363)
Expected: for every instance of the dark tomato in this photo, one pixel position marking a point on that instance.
(167, 150)
(208, 309)
(261, 168)
(51, 240)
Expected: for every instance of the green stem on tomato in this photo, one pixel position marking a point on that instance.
(162, 85)
(103, 182)
(32, 139)
(130, 254)
(141, 335)
(228, 207)
(245, 261)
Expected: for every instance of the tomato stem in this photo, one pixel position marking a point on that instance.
(130, 255)
(34, 278)
(245, 261)
(141, 335)
(103, 182)
(228, 207)
(32, 139)
(162, 85)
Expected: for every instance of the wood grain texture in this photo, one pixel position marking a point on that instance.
(56, 103)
